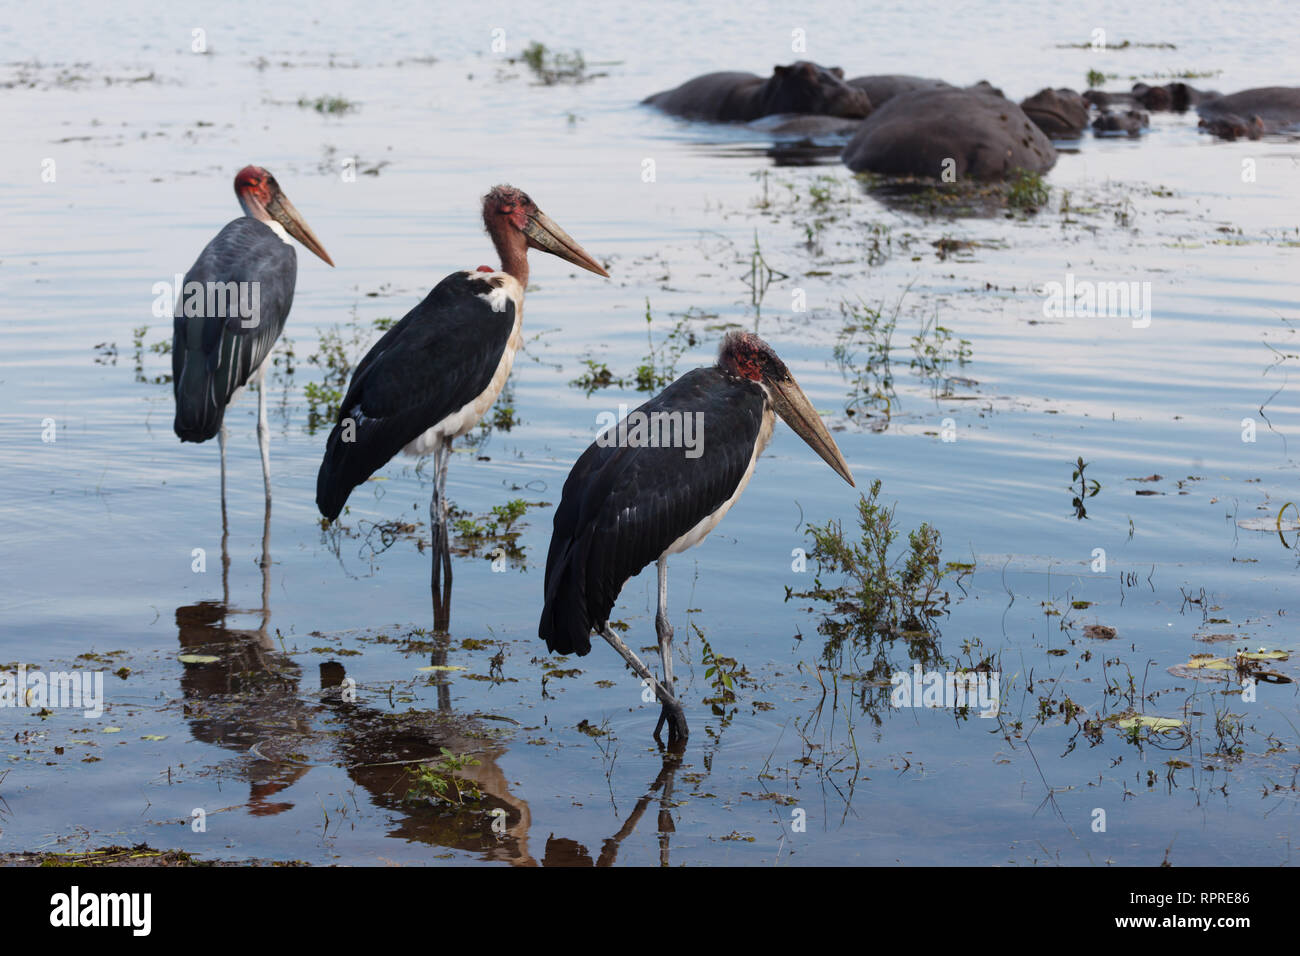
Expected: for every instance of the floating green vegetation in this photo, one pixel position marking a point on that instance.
(657, 369)
(440, 781)
(596, 376)
(139, 348)
(332, 105)
(337, 352)
(1096, 78)
(933, 351)
(497, 523)
(1176, 75)
(1026, 191)
(550, 67)
(925, 195)
(862, 353)
(1121, 45)
(1084, 489)
(721, 673)
(886, 590)
(494, 535)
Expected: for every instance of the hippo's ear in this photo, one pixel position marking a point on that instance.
(780, 70)
(838, 71)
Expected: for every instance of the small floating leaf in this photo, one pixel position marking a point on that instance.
(441, 667)
(1264, 655)
(198, 659)
(1145, 720)
(1269, 524)
(154, 737)
(1209, 663)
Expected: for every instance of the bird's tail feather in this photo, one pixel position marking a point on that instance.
(565, 627)
(198, 413)
(337, 476)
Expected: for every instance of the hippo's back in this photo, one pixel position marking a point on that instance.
(1277, 106)
(710, 96)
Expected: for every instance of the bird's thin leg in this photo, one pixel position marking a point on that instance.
(442, 517)
(673, 716)
(441, 545)
(221, 440)
(264, 438)
(266, 568)
(225, 522)
(435, 523)
(634, 662)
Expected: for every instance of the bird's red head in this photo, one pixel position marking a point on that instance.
(507, 206)
(516, 225)
(261, 197)
(746, 355)
(255, 183)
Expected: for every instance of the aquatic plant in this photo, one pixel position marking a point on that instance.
(337, 352)
(1026, 191)
(933, 350)
(439, 781)
(862, 353)
(333, 105)
(1087, 488)
(554, 66)
(884, 590)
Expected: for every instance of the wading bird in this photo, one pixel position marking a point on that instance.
(632, 499)
(231, 310)
(434, 374)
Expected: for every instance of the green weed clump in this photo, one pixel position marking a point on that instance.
(884, 590)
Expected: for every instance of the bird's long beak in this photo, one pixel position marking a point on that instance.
(544, 234)
(284, 213)
(792, 405)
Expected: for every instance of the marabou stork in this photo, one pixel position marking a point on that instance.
(434, 374)
(632, 499)
(232, 308)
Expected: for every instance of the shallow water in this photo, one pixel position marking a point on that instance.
(101, 524)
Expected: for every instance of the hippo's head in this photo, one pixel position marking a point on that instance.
(805, 87)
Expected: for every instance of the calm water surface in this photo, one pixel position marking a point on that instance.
(101, 525)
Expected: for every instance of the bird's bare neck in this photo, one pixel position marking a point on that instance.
(513, 250)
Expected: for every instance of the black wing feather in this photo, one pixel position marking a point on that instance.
(623, 506)
(433, 362)
(212, 355)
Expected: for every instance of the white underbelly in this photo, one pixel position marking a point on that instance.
(701, 531)
(470, 414)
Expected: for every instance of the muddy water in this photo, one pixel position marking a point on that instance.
(228, 699)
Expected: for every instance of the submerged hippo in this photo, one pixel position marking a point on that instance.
(1177, 97)
(1103, 100)
(1251, 113)
(881, 88)
(812, 126)
(914, 134)
(1129, 122)
(1061, 114)
(801, 87)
